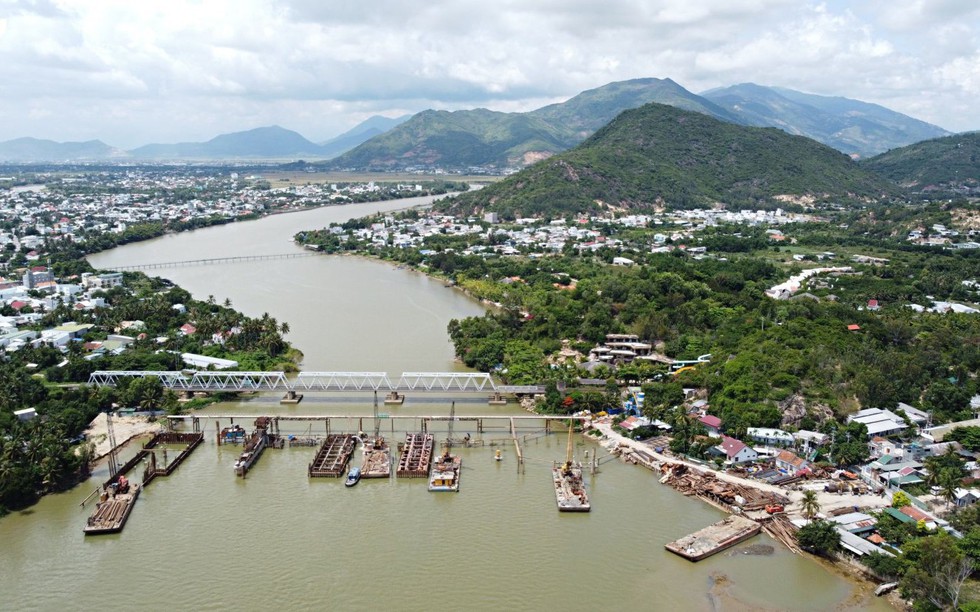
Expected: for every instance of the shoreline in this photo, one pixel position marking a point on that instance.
(719, 595)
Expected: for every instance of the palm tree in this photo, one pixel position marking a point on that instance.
(810, 504)
(949, 482)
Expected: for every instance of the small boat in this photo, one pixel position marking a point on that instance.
(353, 476)
(497, 456)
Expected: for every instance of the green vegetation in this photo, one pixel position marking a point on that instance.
(658, 155)
(46, 454)
(820, 538)
(940, 165)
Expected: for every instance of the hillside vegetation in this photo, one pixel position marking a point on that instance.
(658, 155)
(950, 162)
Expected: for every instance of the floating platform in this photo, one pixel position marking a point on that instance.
(714, 538)
(332, 457)
(377, 458)
(445, 473)
(570, 488)
(415, 457)
(111, 514)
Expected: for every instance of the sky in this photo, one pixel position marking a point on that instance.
(139, 71)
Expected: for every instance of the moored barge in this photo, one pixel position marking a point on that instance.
(254, 446)
(445, 473)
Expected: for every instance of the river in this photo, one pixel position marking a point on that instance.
(204, 539)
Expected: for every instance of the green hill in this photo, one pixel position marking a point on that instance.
(658, 155)
(481, 137)
(950, 163)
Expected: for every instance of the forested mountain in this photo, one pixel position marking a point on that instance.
(33, 150)
(850, 126)
(658, 155)
(362, 132)
(950, 163)
(486, 138)
(264, 142)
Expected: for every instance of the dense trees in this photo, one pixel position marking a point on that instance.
(819, 537)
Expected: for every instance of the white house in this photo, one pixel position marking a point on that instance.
(736, 451)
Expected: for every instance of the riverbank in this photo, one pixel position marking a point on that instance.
(720, 595)
(124, 428)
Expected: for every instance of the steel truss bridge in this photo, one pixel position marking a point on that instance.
(429, 382)
(213, 260)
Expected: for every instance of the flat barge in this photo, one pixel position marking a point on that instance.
(112, 512)
(570, 491)
(377, 458)
(415, 458)
(332, 457)
(445, 473)
(254, 446)
(714, 538)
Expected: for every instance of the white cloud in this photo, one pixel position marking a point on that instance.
(167, 70)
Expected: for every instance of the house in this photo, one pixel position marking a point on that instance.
(966, 497)
(810, 439)
(203, 361)
(26, 414)
(187, 329)
(857, 523)
(789, 461)
(735, 451)
(770, 436)
(879, 422)
(711, 423)
(873, 305)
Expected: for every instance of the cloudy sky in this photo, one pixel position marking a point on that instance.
(137, 71)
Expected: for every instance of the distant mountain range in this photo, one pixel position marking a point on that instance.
(34, 149)
(272, 142)
(853, 127)
(660, 156)
(488, 139)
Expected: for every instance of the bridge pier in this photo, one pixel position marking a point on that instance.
(291, 397)
(497, 399)
(394, 399)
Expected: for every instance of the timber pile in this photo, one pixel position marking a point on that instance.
(782, 530)
(706, 486)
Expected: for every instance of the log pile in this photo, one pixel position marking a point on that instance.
(727, 494)
(782, 530)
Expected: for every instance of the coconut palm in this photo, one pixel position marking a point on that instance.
(810, 504)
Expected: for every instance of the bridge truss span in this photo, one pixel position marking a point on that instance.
(343, 381)
(208, 381)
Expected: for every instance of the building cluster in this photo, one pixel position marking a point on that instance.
(540, 237)
(73, 207)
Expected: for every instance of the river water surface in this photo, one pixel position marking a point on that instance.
(204, 539)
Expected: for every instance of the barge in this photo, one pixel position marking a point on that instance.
(415, 458)
(445, 473)
(332, 457)
(377, 458)
(570, 491)
(113, 510)
(714, 538)
(254, 446)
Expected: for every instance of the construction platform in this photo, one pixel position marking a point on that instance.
(332, 457)
(415, 456)
(377, 458)
(714, 538)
